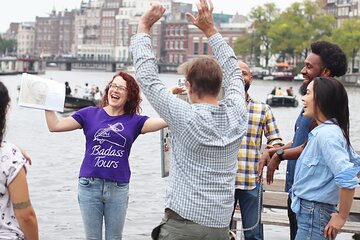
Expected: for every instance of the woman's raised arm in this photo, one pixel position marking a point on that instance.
(60, 125)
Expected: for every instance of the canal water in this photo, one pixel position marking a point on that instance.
(57, 157)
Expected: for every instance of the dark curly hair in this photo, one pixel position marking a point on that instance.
(4, 105)
(132, 105)
(332, 57)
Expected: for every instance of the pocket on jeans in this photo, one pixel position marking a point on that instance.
(306, 208)
(122, 184)
(84, 182)
(325, 216)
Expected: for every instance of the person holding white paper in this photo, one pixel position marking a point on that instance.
(110, 131)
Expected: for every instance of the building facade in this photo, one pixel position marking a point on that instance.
(54, 35)
(341, 9)
(101, 30)
(26, 40)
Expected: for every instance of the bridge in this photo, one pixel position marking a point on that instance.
(67, 64)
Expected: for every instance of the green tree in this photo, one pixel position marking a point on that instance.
(297, 27)
(242, 45)
(7, 46)
(246, 46)
(263, 18)
(347, 36)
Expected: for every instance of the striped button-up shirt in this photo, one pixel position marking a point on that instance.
(205, 139)
(261, 121)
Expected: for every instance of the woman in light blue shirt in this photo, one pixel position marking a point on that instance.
(328, 163)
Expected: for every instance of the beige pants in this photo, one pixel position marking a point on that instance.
(174, 227)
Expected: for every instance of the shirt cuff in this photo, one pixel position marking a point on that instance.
(215, 39)
(348, 178)
(276, 141)
(136, 39)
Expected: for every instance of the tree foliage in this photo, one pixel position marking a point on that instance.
(247, 45)
(7, 46)
(347, 37)
(297, 27)
(290, 33)
(263, 18)
(242, 45)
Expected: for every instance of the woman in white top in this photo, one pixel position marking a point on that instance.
(18, 219)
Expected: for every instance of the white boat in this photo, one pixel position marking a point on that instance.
(279, 76)
(283, 76)
(299, 77)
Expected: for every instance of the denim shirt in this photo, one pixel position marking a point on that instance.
(323, 167)
(302, 126)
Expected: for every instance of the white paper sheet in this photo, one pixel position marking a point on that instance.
(42, 93)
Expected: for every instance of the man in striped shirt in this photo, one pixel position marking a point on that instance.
(247, 189)
(205, 135)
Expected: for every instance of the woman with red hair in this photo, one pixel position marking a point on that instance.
(110, 131)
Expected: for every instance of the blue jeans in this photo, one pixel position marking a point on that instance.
(102, 199)
(249, 207)
(312, 219)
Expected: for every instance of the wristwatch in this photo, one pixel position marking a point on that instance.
(280, 154)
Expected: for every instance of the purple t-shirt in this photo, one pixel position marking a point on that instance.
(108, 143)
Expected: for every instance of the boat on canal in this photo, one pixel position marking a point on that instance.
(76, 103)
(282, 101)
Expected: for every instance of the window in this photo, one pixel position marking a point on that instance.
(175, 58)
(155, 29)
(205, 48)
(196, 48)
(176, 31)
(181, 31)
(170, 58)
(133, 29)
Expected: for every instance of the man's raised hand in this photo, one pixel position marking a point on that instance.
(204, 20)
(150, 17)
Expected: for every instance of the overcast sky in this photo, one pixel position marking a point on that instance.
(27, 10)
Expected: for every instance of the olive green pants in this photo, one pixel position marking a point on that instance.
(175, 228)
